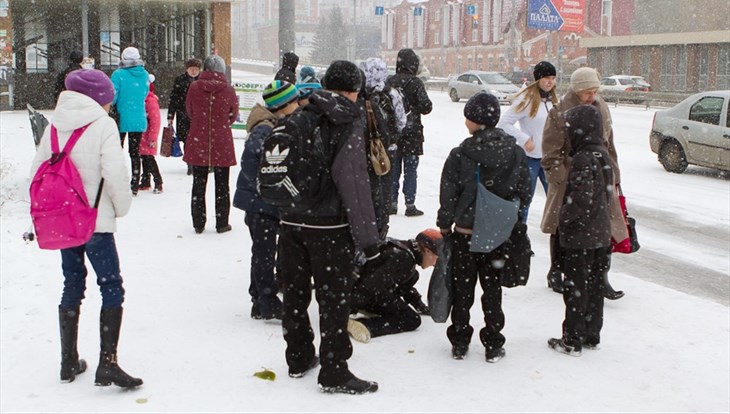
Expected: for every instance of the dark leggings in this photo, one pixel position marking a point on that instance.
(222, 196)
(134, 139)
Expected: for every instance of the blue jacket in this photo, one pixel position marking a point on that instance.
(259, 124)
(131, 86)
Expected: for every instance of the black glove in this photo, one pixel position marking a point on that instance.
(373, 259)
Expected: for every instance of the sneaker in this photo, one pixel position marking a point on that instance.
(561, 346)
(224, 229)
(358, 331)
(459, 351)
(199, 230)
(354, 386)
(412, 211)
(255, 312)
(295, 373)
(493, 355)
(157, 190)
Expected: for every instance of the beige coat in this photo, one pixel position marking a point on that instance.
(556, 163)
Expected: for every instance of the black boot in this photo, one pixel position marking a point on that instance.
(108, 371)
(71, 365)
(555, 280)
(608, 291)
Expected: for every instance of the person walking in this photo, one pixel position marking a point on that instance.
(556, 159)
(131, 84)
(502, 168)
(262, 219)
(74, 63)
(176, 111)
(97, 155)
(410, 144)
(531, 109)
(584, 229)
(212, 106)
(318, 240)
(149, 142)
(288, 71)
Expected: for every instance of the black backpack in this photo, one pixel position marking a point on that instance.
(295, 166)
(384, 112)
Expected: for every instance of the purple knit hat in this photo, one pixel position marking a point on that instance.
(92, 83)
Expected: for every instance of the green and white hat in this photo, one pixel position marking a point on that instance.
(278, 94)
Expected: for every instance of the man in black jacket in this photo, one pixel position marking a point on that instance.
(388, 289)
(288, 71)
(318, 238)
(179, 93)
(74, 62)
(410, 144)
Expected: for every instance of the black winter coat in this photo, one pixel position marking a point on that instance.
(176, 107)
(60, 83)
(503, 171)
(337, 120)
(585, 220)
(416, 99)
(288, 69)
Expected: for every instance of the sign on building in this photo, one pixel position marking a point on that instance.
(379, 10)
(249, 93)
(553, 15)
(471, 9)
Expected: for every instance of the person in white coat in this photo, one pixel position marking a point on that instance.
(97, 156)
(531, 110)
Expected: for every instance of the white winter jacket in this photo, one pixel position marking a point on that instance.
(529, 127)
(98, 153)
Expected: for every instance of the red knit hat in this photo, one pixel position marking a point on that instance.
(428, 238)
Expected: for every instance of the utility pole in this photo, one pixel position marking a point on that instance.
(286, 28)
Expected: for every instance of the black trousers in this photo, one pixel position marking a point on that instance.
(326, 255)
(467, 268)
(150, 169)
(264, 230)
(134, 140)
(222, 196)
(585, 271)
(394, 316)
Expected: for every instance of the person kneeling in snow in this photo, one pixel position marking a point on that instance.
(388, 289)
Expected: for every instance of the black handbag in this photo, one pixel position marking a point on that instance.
(517, 254)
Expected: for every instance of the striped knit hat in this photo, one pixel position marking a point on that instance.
(306, 89)
(278, 94)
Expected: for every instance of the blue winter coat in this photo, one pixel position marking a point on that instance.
(260, 124)
(131, 85)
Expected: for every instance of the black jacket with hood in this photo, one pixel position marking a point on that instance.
(417, 102)
(585, 221)
(503, 171)
(350, 201)
(288, 69)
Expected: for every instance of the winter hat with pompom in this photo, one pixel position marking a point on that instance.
(483, 109)
(92, 83)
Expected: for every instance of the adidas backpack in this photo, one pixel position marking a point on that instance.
(295, 166)
(61, 213)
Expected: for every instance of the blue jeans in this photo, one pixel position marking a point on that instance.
(536, 172)
(409, 165)
(102, 253)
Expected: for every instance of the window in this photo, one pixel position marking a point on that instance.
(707, 110)
(474, 34)
(667, 69)
(469, 62)
(464, 78)
(703, 69)
(680, 78)
(480, 62)
(723, 67)
(436, 38)
(437, 15)
(36, 53)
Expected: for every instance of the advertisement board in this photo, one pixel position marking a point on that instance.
(249, 93)
(553, 15)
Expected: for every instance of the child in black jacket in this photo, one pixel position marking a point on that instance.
(386, 290)
(504, 172)
(584, 232)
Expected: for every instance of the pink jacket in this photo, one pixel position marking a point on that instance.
(150, 139)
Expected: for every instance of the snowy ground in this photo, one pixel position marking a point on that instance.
(188, 334)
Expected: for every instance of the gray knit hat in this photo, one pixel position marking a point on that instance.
(214, 63)
(584, 78)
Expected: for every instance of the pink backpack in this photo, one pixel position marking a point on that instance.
(60, 210)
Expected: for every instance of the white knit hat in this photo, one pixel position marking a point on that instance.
(130, 53)
(584, 78)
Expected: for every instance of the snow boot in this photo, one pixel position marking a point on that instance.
(608, 291)
(412, 211)
(555, 280)
(298, 373)
(109, 371)
(71, 365)
(353, 386)
(560, 345)
(494, 355)
(459, 351)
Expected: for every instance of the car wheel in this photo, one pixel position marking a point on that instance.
(672, 157)
(453, 95)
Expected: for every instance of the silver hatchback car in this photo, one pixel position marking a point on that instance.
(472, 82)
(695, 131)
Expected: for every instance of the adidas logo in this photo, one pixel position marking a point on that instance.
(274, 169)
(275, 157)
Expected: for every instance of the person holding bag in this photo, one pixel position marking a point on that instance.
(505, 173)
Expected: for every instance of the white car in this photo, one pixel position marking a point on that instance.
(472, 82)
(621, 83)
(695, 131)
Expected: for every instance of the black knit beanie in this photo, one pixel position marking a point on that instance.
(543, 69)
(342, 75)
(483, 109)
